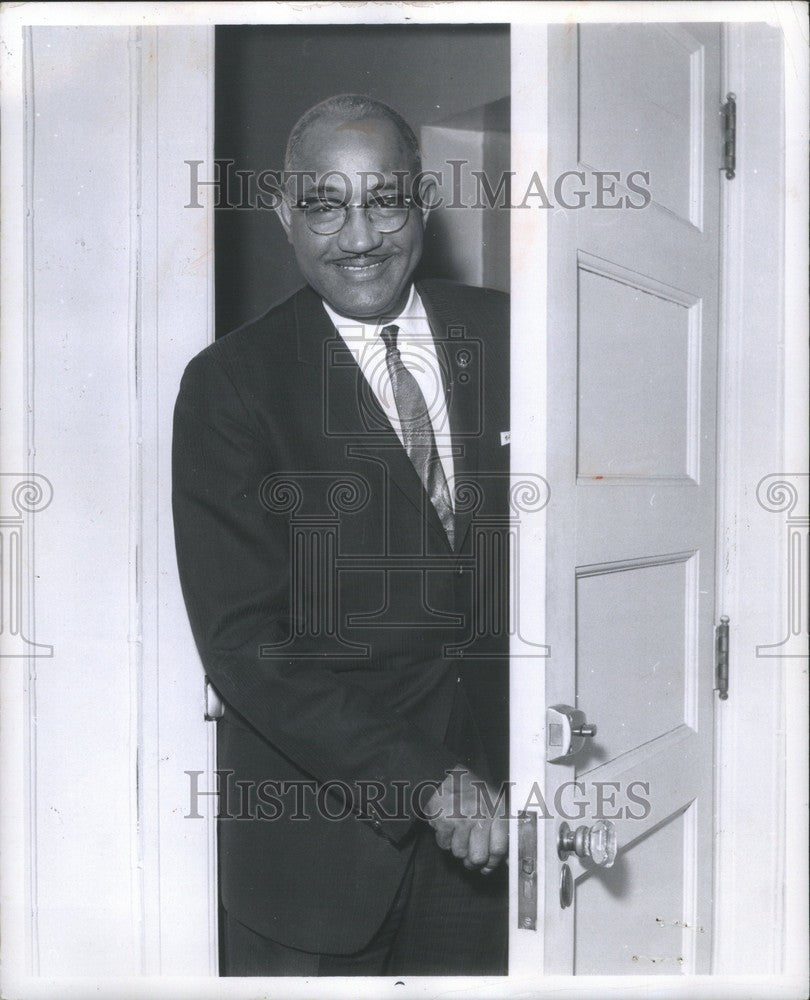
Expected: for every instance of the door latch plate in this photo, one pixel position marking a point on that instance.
(527, 871)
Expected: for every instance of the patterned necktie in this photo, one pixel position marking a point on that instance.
(417, 432)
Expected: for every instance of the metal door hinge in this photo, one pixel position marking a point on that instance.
(721, 658)
(730, 135)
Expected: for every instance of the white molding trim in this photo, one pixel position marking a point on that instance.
(529, 341)
(17, 912)
(30, 751)
(136, 506)
(750, 745)
(793, 23)
(180, 913)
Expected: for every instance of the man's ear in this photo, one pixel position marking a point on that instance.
(284, 213)
(428, 193)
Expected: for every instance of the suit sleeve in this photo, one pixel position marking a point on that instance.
(233, 562)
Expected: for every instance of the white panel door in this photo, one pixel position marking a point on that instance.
(632, 321)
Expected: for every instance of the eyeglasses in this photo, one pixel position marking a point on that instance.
(326, 217)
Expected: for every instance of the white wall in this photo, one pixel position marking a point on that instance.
(474, 245)
(84, 699)
(116, 294)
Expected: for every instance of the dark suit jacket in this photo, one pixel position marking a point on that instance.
(328, 608)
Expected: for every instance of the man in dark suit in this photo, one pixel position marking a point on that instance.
(340, 489)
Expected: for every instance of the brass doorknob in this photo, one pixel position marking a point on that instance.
(597, 842)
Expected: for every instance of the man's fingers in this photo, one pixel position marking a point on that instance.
(493, 862)
(479, 849)
(460, 843)
(499, 838)
(444, 835)
(480, 844)
(498, 845)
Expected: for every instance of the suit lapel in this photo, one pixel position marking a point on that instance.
(350, 411)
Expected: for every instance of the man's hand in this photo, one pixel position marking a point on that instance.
(470, 819)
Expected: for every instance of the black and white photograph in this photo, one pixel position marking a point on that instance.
(404, 499)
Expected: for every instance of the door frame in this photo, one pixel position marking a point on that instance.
(763, 354)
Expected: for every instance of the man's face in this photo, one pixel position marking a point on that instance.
(358, 270)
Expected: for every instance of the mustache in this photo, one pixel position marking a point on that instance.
(361, 256)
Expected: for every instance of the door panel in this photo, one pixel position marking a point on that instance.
(616, 605)
(618, 922)
(633, 317)
(640, 95)
(637, 351)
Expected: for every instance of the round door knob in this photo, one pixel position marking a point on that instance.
(597, 842)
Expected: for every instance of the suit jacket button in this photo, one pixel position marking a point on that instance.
(460, 571)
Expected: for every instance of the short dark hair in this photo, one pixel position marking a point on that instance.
(353, 107)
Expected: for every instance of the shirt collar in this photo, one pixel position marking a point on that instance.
(411, 320)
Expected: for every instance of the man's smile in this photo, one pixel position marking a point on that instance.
(361, 266)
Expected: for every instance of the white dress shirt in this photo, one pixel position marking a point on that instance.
(418, 352)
